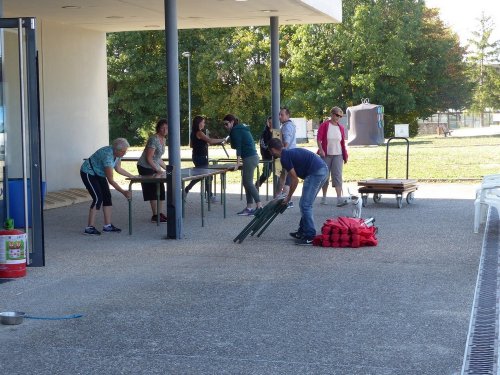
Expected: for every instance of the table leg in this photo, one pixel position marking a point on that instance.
(215, 185)
(214, 162)
(273, 172)
(202, 191)
(209, 191)
(241, 187)
(258, 173)
(267, 168)
(130, 209)
(158, 204)
(183, 200)
(223, 191)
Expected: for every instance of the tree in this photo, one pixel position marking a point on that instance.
(136, 83)
(442, 83)
(313, 69)
(397, 53)
(230, 74)
(482, 55)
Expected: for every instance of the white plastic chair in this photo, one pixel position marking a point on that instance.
(488, 194)
(489, 178)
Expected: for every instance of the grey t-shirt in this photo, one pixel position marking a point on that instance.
(154, 143)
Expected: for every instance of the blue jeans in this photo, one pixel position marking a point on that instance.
(312, 186)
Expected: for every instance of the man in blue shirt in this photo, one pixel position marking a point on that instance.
(304, 164)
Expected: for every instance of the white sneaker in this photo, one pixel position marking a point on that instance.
(323, 201)
(214, 199)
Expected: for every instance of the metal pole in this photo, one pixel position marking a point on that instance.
(275, 83)
(37, 236)
(23, 134)
(189, 94)
(275, 72)
(188, 55)
(174, 201)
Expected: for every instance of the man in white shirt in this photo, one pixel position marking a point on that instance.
(289, 141)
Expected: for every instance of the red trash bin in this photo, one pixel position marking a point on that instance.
(12, 254)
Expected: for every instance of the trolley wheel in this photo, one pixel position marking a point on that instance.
(410, 198)
(377, 197)
(399, 200)
(364, 199)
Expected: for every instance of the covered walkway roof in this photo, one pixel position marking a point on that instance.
(131, 15)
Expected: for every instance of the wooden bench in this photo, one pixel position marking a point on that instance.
(444, 130)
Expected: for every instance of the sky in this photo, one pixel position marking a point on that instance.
(462, 15)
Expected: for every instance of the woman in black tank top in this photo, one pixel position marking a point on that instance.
(199, 143)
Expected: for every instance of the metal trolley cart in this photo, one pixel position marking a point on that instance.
(380, 186)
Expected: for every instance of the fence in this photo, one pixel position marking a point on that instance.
(456, 120)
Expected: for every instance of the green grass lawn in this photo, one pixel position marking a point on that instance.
(432, 159)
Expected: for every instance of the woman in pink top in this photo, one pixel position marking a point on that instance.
(331, 144)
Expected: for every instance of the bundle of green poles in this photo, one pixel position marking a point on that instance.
(262, 219)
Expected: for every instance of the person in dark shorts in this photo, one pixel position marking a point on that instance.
(150, 163)
(97, 174)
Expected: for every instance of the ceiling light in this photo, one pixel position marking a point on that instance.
(269, 11)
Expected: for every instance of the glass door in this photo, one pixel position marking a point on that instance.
(20, 146)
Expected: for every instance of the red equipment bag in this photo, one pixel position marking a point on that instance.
(346, 232)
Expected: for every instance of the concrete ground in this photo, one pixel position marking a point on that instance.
(205, 305)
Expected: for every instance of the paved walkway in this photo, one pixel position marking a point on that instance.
(473, 132)
(204, 305)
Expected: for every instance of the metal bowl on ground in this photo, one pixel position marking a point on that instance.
(12, 317)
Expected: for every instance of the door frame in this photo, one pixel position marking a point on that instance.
(27, 28)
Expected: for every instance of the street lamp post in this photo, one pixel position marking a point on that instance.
(188, 56)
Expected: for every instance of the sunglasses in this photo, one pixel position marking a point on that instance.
(335, 114)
